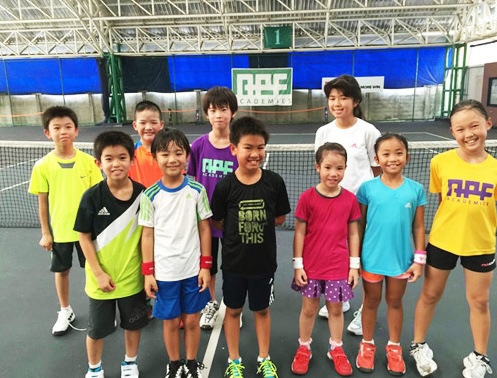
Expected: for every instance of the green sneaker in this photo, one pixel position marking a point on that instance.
(266, 369)
(234, 369)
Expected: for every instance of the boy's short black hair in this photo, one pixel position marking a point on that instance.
(247, 126)
(168, 135)
(147, 105)
(218, 97)
(58, 112)
(112, 138)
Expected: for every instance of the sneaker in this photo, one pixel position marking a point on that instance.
(395, 361)
(209, 315)
(192, 369)
(323, 311)
(355, 325)
(345, 306)
(423, 356)
(341, 362)
(266, 369)
(365, 357)
(234, 369)
(300, 364)
(95, 373)
(174, 369)
(475, 366)
(129, 369)
(64, 320)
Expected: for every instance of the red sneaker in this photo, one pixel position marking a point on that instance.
(365, 357)
(341, 362)
(395, 362)
(300, 364)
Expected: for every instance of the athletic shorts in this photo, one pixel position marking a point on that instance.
(179, 297)
(445, 260)
(260, 291)
(62, 256)
(375, 278)
(215, 253)
(132, 314)
(333, 290)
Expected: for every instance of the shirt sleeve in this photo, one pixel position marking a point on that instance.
(38, 183)
(146, 214)
(85, 215)
(203, 208)
(218, 202)
(282, 201)
(372, 134)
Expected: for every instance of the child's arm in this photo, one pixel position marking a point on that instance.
(46, 240)
(105, 282)
(298, 250)
(418, 232)
(278, 221)
(354, 242)
(147, 244)
(204, 275)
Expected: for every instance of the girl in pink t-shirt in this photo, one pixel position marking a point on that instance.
(326, 255)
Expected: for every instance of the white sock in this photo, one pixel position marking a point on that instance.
(129, 359)
(97, 365)
(260, 359)
(368, 342)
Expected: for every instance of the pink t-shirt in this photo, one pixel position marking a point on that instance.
(326, 254)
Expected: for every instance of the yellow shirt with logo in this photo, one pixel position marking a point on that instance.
(466, 219)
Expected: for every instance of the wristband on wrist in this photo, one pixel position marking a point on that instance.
(354, 262)
(205, 262)
(148, 268)
(420, 257)
(298, 263)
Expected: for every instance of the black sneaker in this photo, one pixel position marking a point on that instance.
(192, 369)
(175, 369)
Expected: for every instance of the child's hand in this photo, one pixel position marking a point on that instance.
(105, 283)
(46, 242)
(353, 277)
(204, 279)
(150, 286)
(300, 277)
(415, 271)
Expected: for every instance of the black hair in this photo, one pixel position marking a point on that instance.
(349, 87)
(388, 136)
(58, 112)
(247, 126)
(330, 147)
(219, 97)
(467, 105)
(112, 138)
(147, 105)
(168, 135)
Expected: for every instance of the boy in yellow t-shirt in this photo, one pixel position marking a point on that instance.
(59, 179)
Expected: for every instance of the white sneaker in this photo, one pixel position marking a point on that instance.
(129, 370)
(475, 366)
(423, 356)
(345, 306)
(95, 373)
(323, 311)
(355, 325)
(64, 320)
(209, 315)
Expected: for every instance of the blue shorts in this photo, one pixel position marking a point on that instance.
(179, 297)
(260, 291)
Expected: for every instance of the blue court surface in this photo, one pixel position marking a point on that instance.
(29, 305)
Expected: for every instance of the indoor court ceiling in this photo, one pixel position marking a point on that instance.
(36, 28)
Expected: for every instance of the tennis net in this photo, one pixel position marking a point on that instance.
(294, 162)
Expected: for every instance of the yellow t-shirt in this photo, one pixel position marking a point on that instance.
(466, 219)
(65, 181)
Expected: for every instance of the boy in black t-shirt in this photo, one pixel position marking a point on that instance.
(246, 205)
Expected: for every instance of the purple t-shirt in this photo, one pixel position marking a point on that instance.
(209, 165)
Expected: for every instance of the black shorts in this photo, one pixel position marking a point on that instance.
(215, 254)
(445, 260)
(62, 256)
(260, 291)
(102, 314)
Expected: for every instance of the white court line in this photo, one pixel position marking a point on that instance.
(266, 162)
(13, 186)
(210, 351)
(15, 165)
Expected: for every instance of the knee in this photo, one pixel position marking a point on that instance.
(233, 312)
(430, 297)
(394, 302)
(371, 302)
(478, 303)
(262, 313)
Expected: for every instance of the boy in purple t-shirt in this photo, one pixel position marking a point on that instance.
(210, 161)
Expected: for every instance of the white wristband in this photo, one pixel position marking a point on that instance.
(354, 262)
(420, 257)
(298, 263)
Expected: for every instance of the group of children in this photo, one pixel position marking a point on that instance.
(153, 227)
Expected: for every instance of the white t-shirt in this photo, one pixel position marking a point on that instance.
(358, 140)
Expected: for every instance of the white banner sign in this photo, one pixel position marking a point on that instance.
(369, 84)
